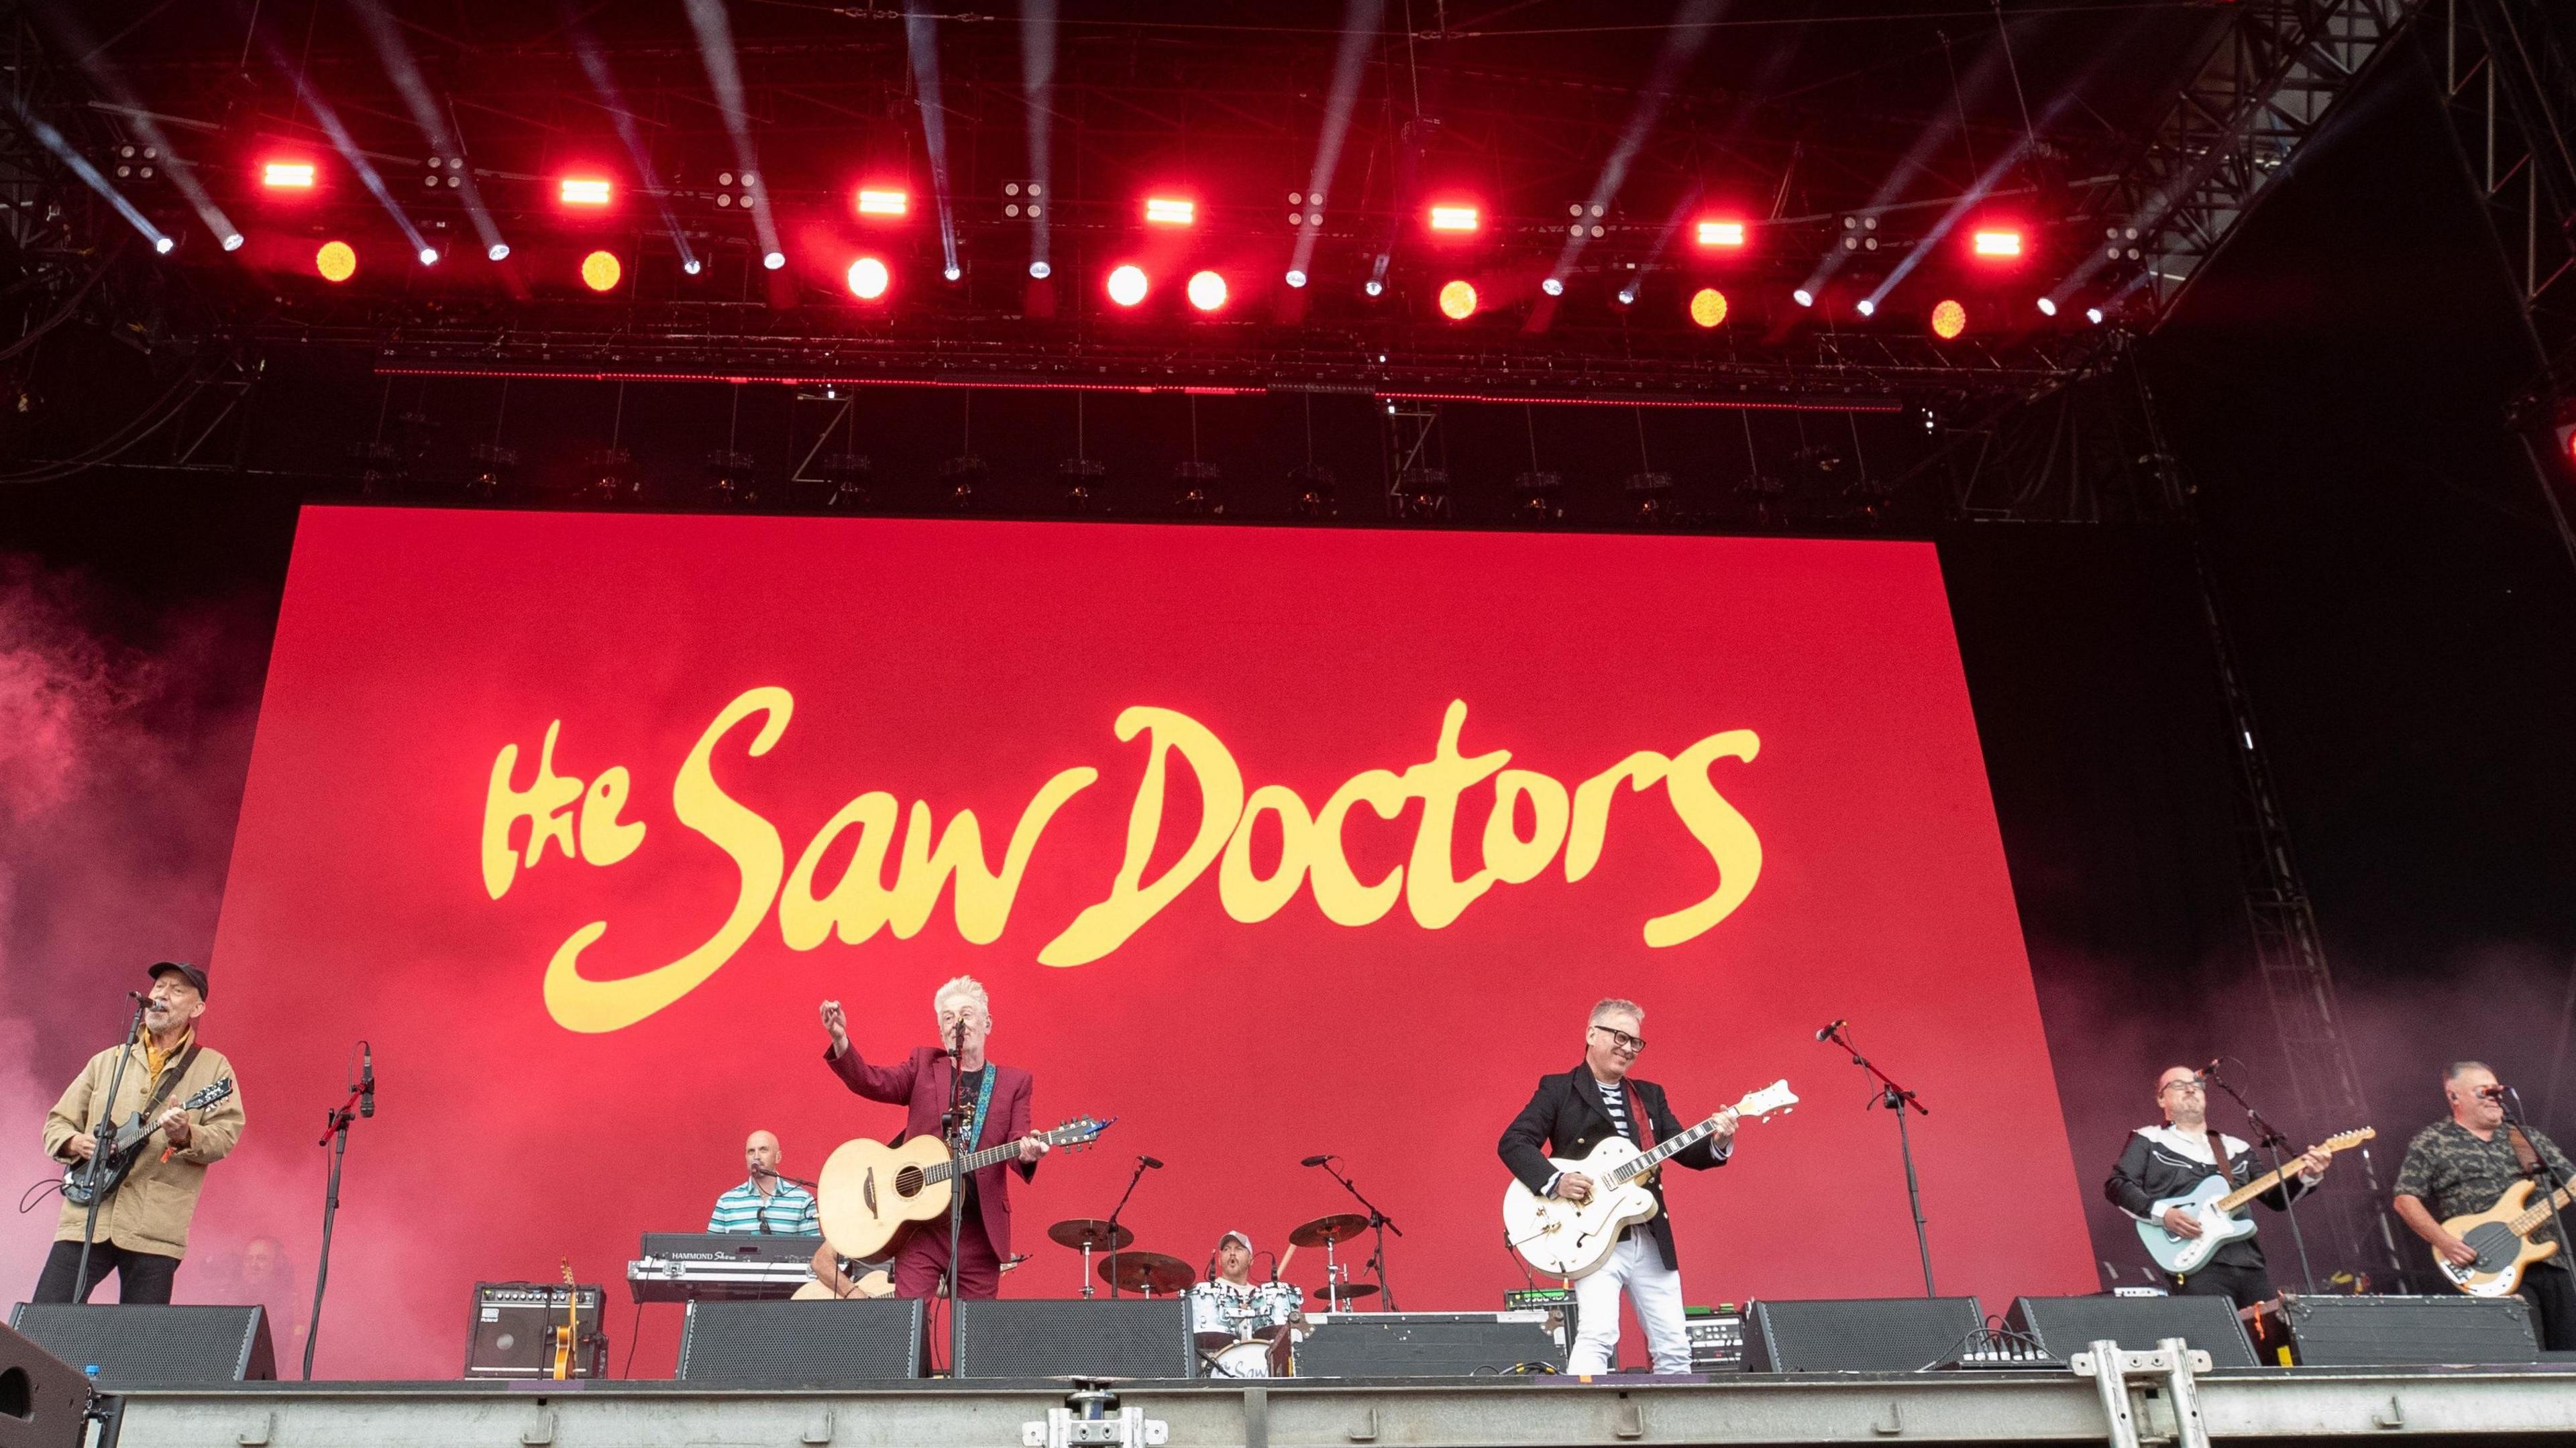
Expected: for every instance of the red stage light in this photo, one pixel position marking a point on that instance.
(1171, 211)
(875, 201)
(584, 191)
(868, 278)
(1127, 285)
(287, 175)
(1949, 319)
(1458, 301)
(1996, 242)
(337, 261)
(1453, 218)
(1708, 306)
(1726, 234)
(600, 270)
(1207, 291)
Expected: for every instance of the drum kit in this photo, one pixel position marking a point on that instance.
(1243, 1331)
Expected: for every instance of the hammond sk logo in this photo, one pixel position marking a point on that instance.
(582, 822)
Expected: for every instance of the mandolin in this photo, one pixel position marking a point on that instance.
(869, 1192)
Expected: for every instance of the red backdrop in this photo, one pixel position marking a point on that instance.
(965, 664)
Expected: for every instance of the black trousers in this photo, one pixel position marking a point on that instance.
(2551, 1291)
(2243, 1286)
(140, 1276)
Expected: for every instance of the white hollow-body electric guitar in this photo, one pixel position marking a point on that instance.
(1568, 1239)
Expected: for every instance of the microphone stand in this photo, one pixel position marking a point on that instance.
(957, 1184)
(1379, 1224)
(2274, 1143)
(335, 1135)
(1113, 1231)
(2551, 1181)
(115, 1082)
(1897, 1099)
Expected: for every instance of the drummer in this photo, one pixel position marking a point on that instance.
(1267, 1307)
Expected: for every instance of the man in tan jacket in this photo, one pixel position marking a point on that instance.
(143, 1224)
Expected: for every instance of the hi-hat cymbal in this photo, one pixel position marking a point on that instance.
(1349, 1290)
(1340, 1228)
(1147, 1272)
(1099, 1236)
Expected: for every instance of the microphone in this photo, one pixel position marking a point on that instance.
(366, 1079)
(1316, 1160)
(1151, 1161)
(1827, 1033)
(2492, 1093)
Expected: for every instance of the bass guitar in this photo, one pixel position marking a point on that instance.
(2502, 1237)
(1572, 1239)
(868, 1192)
(118, 1150)
(2214, 1205)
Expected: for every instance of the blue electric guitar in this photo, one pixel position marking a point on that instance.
(2215, 1207)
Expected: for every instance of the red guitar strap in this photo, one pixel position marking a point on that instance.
(1637, 1114)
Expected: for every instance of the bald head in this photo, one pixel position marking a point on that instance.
(760, 1152)
(2184, 1099)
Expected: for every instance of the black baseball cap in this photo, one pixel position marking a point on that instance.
(195, 974)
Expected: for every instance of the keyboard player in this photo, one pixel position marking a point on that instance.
(766, 1203)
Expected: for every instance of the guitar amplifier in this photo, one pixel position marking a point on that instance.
(511, 1334)
(1716, 1338)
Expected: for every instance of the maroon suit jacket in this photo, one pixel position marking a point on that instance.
(921, 1086)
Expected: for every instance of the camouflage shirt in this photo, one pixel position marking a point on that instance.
(2453, 1173)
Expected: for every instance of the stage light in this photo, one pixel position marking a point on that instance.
(1296, 278)
(1458, 301)
(773, 260)
(1997, 243)
(1206, 291)
(954, 274)
(1040, 270)
(1373, 287)
(873, 202)
(693, 266)
(1553, 286)
(337, 261)
(287, 175)
(1628, 295)
(1803, 297)
(429, 256)
(1949, 319)
(1708, 306)
(163, 245)
(1170, 211)
(600, 270)
(868, 279)
(584, 191)
(1127, 285)
(2093, 315)
(2048, 306)
(1453, 218)
(1866, 307)
(1721, 233)
(232, 241)
(497, 251)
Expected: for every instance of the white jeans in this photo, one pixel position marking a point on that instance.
(1636, 1265)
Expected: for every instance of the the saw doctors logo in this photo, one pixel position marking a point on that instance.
(581, 821)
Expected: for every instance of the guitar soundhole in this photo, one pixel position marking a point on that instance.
(2496, 1245)
(907, 1182)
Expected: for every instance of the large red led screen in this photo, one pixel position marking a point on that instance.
(1266, 842)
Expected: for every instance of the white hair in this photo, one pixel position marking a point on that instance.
(967, 986)
(1612, 1005)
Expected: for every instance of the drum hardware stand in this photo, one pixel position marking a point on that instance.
(1898, 1100)
(1378, 1223)
(1113, 1237)
(2275, 1143)
(115, 1082)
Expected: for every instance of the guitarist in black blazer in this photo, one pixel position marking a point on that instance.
(1569, 1114)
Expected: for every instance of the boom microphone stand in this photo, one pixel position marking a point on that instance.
(1897, 1099)
(2550, 1181)
(115, 1082)
(1379, 1224)
(1113, 1231)
(957, 1183)
(335, 1135)
(2274, 1143)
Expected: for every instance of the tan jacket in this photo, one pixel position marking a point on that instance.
(150, 1212)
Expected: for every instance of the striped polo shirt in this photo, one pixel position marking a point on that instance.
(790, 1213)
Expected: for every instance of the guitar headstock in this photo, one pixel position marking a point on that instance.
(1078, 1133)
(1775, 1097)
(2346, 1141)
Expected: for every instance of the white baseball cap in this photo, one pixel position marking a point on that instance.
(1244, 1238)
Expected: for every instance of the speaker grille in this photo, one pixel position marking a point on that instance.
(1861, 1335)
(2398, 1331)
(2069, 1325)
(800, 1344)
(1099, 1338)
(1385, 1346)
(153, 1347)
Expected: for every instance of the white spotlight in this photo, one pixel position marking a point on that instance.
(162, 244)
(2048, 306)
(1553, 286)
(1867, 307)
(2093, 315)
(1296, 278)
(429, 256)
(1627, 299)
(1040, 270)
(692, 266)
(1373, 286)
(953, 274)
(232, 241)
(497, 251)
(774, 260)
(1803, 297)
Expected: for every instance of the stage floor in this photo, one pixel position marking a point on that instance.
(2274, 1405)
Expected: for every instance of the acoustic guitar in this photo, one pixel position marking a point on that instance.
(2215, 1206)
(2502, 1237)
(1569, 1239)
(833, 1280)
(869, 1192)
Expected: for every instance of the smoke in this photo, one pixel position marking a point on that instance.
(124, 739)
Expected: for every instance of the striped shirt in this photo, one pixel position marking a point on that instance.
(789, 1213)
(1614, 1099)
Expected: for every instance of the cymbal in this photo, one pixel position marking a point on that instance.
(1099, 1236)
(1349, 1290)
(1147, 1272)
(1340, 1228)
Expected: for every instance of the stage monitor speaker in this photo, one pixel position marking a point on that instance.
(2066, 1326)
(44, 1401)
(153, 1347)
(1044, 1338)
(2408, 1331)
(1427, 1345)
(1859, 1335)
(825, 1344)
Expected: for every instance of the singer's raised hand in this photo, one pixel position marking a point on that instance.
(834, 1022)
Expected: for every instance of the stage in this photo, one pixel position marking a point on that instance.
(2440, 1404)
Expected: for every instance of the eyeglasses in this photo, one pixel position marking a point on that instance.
(2193, 1084)
(1621, 1040)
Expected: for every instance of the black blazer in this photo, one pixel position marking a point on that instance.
(1564, 1119)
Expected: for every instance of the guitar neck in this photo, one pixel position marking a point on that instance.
(2528, 1221)
(1665, 1150)
(2252, 1189)
(971, 1162)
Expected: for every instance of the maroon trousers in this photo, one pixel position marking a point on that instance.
(922, 1261)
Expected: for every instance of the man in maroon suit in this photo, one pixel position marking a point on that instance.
(997, 1110)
